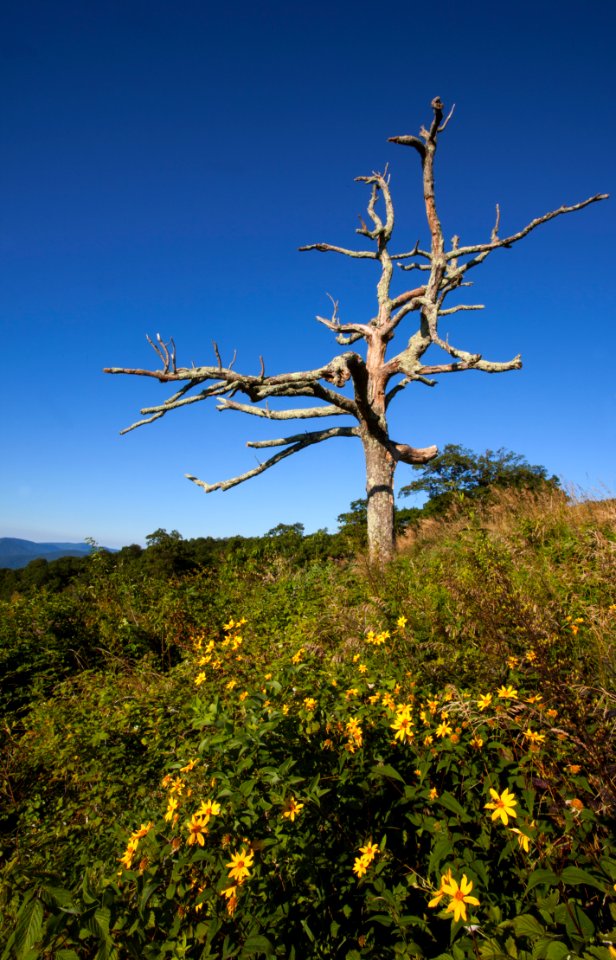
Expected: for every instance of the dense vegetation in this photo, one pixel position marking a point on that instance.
(262, 747)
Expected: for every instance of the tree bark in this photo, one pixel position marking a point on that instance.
(380, 467)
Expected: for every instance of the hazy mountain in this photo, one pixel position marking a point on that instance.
(16, 553)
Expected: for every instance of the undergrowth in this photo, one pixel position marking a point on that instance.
(328, 762)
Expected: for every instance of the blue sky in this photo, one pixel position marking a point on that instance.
(160, 165)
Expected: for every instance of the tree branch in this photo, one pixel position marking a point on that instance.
(301, 413)
(486, 366)
(495, 243)
(329, 248)
(297, 443)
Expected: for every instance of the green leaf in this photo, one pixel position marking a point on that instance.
(575, 875)
(547, 877)
(579, 925)
(492, 950)
(102, 916)
(557, 951)
(383, 918)
(308, 931)
(527, 926)
(450, 803)
(257, 944)
(386, 770)
(29, 928)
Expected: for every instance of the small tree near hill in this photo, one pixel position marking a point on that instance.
(361, 386)
(459, 471)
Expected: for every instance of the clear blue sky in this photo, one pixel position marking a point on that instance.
(162, 162)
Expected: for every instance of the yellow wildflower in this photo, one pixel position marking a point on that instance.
(401, 623)
(171, 808)
(477, 742)
(200, 678)
(240, 864)
(189, 766)
(460, 897)
(209, 808)
(507, 693)
(354, 735)
(443, 730)
(433, 793)
(360, 865)
(243, 695)
(142, 831)
(197, 828)
(502, 805)
(389, 701)
(310, 703)
(370, 850)
(368, 853)
(523, 839)
(403, 725)
(293, 809)
(440, 893)
(127, 858)
(534, 737)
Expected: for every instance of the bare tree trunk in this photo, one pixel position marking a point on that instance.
(380, 466)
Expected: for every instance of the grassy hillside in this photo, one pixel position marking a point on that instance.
(256, 757)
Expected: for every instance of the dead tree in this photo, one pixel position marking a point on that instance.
(372, 381)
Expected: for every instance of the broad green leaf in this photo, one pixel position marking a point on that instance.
(386, 770)
(257, 944)
(557, 951)
(29, 928)
(575, 875)
(492, 950)
(527, 926)
(547, 877)
(579, 925)
(450, 803)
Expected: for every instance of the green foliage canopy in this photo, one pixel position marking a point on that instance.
(458, 470)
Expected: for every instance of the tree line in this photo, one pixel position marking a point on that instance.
(458, 476)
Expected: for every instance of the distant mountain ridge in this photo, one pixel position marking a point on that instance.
(15, 553)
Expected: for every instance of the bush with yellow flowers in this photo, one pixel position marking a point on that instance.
(341, 806)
